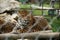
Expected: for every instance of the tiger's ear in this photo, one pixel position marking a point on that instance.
(31, 16)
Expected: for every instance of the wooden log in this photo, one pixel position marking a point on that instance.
(32, 35)
(39, 9)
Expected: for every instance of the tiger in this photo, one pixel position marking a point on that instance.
(29, 23)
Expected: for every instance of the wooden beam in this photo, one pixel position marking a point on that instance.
(39, 9)
(32, 35)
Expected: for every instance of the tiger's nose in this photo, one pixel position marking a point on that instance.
(26, 21)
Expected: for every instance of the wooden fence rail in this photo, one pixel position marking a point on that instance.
(43, 34)
(40, 8)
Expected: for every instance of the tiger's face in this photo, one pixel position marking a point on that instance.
(25, 18)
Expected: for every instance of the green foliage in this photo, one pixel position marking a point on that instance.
(56, 25)
(24, 6)
(37, 12)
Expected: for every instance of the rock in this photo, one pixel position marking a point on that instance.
(8, 4)
(6, 24)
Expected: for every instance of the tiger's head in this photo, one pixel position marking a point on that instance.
(25, 18)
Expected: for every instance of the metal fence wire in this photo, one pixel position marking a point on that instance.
(41, 35)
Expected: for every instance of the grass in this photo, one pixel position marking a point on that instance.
(24, 6)
(56, 25)
(57, 5)
(46, 5)
(39, 12)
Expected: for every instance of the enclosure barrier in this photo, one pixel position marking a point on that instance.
(42, 34)
(40, 8)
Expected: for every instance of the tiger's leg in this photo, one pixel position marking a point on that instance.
(15, 29)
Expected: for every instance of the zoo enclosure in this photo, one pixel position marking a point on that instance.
(32, 35)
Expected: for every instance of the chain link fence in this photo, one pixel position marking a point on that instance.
(40, 35)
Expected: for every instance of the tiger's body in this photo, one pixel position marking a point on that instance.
(29, 23)
(25, 22)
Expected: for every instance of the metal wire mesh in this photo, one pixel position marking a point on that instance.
(37, 21)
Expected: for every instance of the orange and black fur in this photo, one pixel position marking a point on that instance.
(42, 23)
(27, 23)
